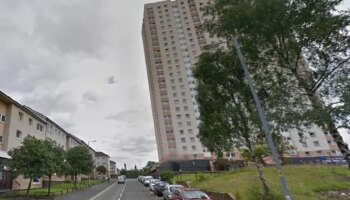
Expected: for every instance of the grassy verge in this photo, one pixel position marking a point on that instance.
(305, 182)
(60, 189)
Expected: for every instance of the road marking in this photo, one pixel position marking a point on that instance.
(121, 193)
(99, 194)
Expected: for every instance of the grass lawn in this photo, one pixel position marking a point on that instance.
(305, 182)
(61, 187)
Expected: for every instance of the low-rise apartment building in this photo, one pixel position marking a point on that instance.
(113, 170)
(16, 122)
(104, 160)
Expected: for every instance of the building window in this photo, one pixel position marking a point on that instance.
(307, 153)
(36, 180)
(319, 152)
(192, 139)
(190, 131)
(30, 121)
(194, 147)
(20, 115)
(1, 138)
(188, 123)
(184, 148)
(195, 156)
(329, 142)
(183, 139)
(304, 144)
(18, 134)
(181, 131)
(39, 127)
(312, 134)
(316, 143)
(2, 118)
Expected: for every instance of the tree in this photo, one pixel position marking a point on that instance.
(56, 164)
(149, 165)
(307, 42)
(31, 159)
(101, 169)
(228, 117)
(80, 161)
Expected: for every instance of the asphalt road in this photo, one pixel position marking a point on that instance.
(131, 190)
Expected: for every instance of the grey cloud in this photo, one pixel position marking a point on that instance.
(127, 115)
(74, 27)
(138, 145)
(50, 102)
(110, 80)
(90, 96)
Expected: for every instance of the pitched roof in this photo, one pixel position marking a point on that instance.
(99, 153)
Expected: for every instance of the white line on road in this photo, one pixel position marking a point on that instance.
(121, 194)
(99, 194)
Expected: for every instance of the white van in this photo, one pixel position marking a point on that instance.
(121, 179)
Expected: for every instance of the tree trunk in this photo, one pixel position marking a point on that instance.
(49, 188)
(75, 180)
(29, 186)
(262, 177)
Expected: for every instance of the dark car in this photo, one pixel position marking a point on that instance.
(190, 194)
(159, 188)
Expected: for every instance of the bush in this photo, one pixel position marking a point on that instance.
(167, 176)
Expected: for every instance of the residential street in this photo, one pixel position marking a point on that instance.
(132, 190)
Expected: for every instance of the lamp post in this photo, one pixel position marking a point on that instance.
(261, 112)
(263, 120)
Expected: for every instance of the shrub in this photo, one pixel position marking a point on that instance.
(167, 176)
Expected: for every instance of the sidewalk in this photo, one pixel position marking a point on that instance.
(86, 194)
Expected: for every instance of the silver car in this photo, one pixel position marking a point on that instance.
(152, 182)
(169, 191)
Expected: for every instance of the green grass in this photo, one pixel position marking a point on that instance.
(60, 188)
(305, 182)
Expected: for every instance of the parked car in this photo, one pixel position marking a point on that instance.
(121, 179)
(188, 194)
(169, 191)
(146, 181)
(152, 183)
(144, 178)
(159, 188)
(139, 178)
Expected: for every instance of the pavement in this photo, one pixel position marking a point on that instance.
(131, 190)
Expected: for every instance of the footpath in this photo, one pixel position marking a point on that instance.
(86, 194)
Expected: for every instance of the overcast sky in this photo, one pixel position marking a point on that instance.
(81, 63)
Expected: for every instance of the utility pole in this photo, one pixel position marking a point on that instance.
(265, 125)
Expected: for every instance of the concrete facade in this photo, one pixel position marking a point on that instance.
(113, 165)
(173, 39)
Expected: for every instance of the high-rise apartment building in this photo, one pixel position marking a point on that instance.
(173, 40)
